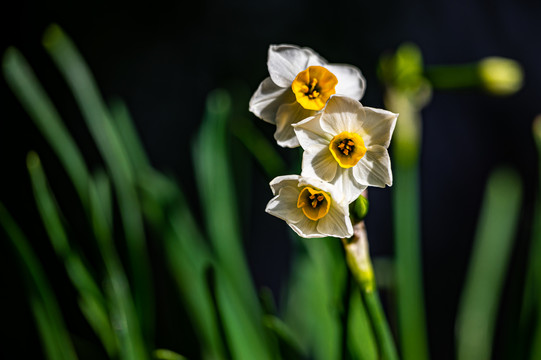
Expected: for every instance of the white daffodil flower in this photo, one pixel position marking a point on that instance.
(312, 208)
(299, 85)
(346, 145)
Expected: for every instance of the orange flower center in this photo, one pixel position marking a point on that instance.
(314, 203)
(313, 87)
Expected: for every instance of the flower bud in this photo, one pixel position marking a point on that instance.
(359, 209)
(500, 76)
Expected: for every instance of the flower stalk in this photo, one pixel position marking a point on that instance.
(495, 75)
(358, 260)
(408, 91)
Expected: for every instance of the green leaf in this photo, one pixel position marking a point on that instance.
(361, 341)
(54, 334)
(492, 249)
(187, 256)
(35, 101)
(312, 308)
(290, 345)
(91, 299)
(237, 300)
(164, 354)
(123, 316)
(98, 119)
(129, 137)
(259, 146)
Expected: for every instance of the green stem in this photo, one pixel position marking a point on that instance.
(533, 290)
(406, 214)
(358, 260)
(345, 313)
(408, 264)
(381, 329)
(453, 76)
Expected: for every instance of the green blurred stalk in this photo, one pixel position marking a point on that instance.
(361, 339)
(218, 193)
(259, 146)
(98, 119)
(122, 310)
(311, 308)
(410, 298)
(52, 329)
(532, 296)
(458, 76)
(187, 256)
(35, 101)
(358, 259)
(407, 91)
(91, 300)
(406, 218)
(496, 75)
(164, 354)
(381, 329)
(238, 302)
(315, 309)
(478, 308)
(129, 137)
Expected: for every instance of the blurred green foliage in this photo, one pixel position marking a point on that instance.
(207, 264)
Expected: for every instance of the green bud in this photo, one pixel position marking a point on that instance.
(359, 208)
(500, 76)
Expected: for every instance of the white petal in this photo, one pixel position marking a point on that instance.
(342, 114)
(284, 205)
(307, 228)
(350, 80)
(336, 223)
(378, 124)
(345, 183)
(289, 114)
(286, 61)
(311, 135)
(316, 183)
(374, 169)
(320, 164)
(267, 99)
(285, 180)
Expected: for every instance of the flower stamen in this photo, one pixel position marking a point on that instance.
(314, 203)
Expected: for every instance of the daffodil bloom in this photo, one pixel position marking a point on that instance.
(312, 208)
(299, 85)
(346, 145)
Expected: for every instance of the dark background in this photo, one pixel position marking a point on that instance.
(164, 57)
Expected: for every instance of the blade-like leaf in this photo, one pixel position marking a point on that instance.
(129, 137)
(187, 256)
(216, 187)
(54, 334)
(89, 292)
(28, 90)
(488, 265)
(123, 315)
(98, 120)
(313, 304)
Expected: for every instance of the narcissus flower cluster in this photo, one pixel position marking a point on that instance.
(316, 105)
